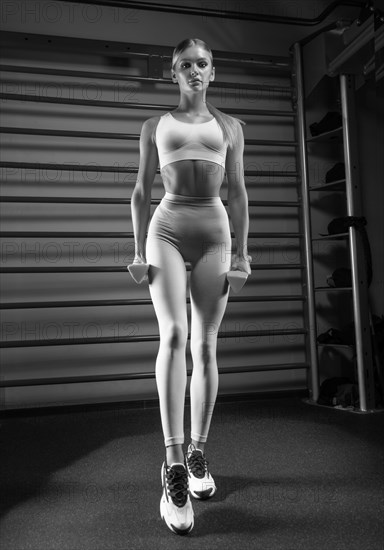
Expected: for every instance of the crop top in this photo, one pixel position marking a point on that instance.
(178, 140)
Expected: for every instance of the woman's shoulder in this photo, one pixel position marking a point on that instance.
(237, 122)
(152, 122)
(149, 126)
(233, 121)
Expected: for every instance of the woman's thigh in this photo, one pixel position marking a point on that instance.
(167, 279)
(208, 282)
(209, 296)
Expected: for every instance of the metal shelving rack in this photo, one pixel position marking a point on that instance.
(351, 186)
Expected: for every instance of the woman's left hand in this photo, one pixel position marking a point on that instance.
(241, 263)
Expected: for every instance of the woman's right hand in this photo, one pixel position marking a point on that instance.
(241, 263)
(139, 259)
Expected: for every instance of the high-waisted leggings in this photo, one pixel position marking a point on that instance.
(196, 230)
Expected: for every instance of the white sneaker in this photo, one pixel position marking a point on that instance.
(175, 505)
(201, 483)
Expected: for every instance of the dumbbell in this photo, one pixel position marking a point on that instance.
(138, 271)
(236, 279)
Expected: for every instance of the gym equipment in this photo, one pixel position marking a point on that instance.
(138, 271)
(236, 279)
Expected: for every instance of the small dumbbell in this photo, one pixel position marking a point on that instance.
(237, 279)
(138, 271)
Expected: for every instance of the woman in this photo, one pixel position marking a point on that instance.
(195, 144)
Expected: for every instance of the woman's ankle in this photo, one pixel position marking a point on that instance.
(198, 445)
(174, 454)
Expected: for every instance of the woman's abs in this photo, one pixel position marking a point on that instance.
(198, 178)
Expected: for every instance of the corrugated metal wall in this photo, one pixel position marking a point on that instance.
(274, 302)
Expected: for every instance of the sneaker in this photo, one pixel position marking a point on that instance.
(175, 505)
(201, 483)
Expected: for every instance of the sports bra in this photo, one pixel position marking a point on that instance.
(178, 140)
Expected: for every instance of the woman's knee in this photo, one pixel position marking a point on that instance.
(204, 352)
(174, 335)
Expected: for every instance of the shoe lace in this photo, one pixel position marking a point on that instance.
(197, 464)
(177, 480)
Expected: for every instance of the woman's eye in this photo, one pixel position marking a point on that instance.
(186, 65)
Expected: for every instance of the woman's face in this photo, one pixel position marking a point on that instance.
(193, 70)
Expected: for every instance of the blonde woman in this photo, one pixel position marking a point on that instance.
(195, 144)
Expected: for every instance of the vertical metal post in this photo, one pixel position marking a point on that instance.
(365, 370)
(306, 219)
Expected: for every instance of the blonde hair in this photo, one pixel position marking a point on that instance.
(228, 124)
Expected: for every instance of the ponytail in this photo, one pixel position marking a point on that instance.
(228, 124)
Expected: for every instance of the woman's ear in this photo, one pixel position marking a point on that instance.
(212, 76)
(174, 79)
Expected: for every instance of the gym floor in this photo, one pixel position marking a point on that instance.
(290, 476)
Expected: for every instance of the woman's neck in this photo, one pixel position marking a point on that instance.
(194, 105)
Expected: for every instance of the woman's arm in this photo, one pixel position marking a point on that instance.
(141, 196)
(238, 201)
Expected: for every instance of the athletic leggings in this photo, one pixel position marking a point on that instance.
(196, 230)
